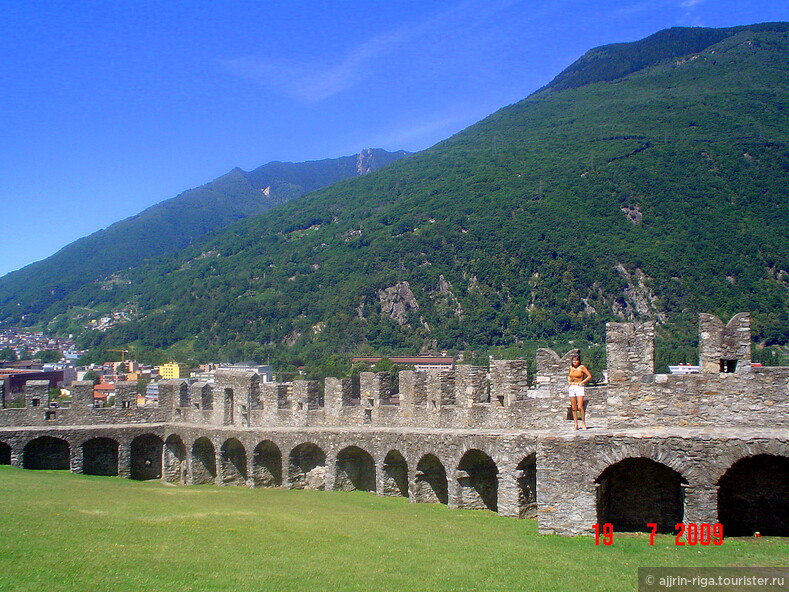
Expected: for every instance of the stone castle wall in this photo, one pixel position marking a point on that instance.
(470, 437)
(467, 397)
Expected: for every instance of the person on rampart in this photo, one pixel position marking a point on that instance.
(577, 377)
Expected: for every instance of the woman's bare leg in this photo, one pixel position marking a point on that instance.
(574, 405)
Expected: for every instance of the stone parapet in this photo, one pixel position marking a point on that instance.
(509, 381)
(630, 351)
(471, 385)
(724, 348)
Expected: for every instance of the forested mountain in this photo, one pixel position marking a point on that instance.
(648, 181)
(172, 225)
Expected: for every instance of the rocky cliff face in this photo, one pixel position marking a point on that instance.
(372, 159)
(364, 162)
(396, 301)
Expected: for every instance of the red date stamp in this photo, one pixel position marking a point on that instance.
(690, 534)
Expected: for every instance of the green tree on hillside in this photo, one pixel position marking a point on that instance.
(47, 356)
(92, 375)
(8, 354)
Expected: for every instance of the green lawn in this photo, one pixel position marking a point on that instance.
(60, 531)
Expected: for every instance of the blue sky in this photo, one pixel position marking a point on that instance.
(109, 107)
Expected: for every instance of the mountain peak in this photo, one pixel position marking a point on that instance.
(610, 62)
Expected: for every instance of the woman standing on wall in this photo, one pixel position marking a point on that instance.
(577, 377)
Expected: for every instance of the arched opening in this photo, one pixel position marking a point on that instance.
(307, 467)
(174, 459)
(146, 457)
(46, 453)
(430, 484)
(5, 454)
(100, 457)
(526, 475)
(395, 473)
(203, 466)
(267, 465)
(478, 483)
(753, 496)
(233, 460)
(637, 491)
(355, 470)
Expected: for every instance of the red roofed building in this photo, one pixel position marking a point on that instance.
(102, 392)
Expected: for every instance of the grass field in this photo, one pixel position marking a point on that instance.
(60, 531)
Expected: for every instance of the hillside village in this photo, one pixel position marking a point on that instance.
(64, 368)
(22, 359)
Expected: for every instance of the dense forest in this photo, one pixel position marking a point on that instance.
(647, 182)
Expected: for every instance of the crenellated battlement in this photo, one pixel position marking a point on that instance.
(725, 348)
(728, 392)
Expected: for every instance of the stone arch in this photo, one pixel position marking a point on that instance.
(355, 470)
(662, 451)
(639, 490)
(481, 445)
(307, 467)
(738, 450)
(146, 457)
(478, 486)
(267, 465)
(430, 482)
(47, 453)
(526, 476)
(100, 457)
(174, 459)
(233, 461)
(203, 463)
(753, 496)
(395, 475)
(5, 454)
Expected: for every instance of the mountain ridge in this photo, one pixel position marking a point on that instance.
(175, 223)
(607, 63)
(651, 197)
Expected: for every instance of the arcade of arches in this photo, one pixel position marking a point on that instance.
(751, 495)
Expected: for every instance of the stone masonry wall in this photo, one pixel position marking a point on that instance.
(482, 439)
(720, 345)
(634, 396)
(755, 398)
(568, 469)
